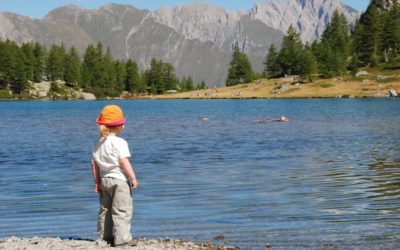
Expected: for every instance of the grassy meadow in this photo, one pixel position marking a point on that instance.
(373, 83)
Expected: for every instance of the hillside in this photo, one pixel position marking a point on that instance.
(366, 84)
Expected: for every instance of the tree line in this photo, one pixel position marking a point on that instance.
(373, 40)
(96, 71)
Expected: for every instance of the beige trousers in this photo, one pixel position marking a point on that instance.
(115, 214)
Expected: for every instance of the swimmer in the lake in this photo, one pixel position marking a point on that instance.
(280, 119)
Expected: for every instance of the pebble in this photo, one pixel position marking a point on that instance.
(36, 243)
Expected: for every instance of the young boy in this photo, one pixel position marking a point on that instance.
(114, 177)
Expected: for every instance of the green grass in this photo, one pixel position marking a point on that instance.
(326, 85)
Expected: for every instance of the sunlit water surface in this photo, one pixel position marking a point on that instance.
(330, 178)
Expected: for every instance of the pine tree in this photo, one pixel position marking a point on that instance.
(335, 47)
(132, 80)
(308, 66)
(99, 70)
(6, 64)
(72, 68)
(170, 79)
(152, 76)
(145, 76)
(391, 34)
(336, 33)
(203, 85)
(88, 65)
(189, 84)
(93, 71)
(12, 67)
(182, 84)
(55, 63)
(271, 65)
(19, 74)
(232, 78)
(27, 49)
(39, 52)
(240, 70)
(19, 83)
(158, 76)
(120, 75)
(356, 41)
(109, 71)
(371, 36)
(291, 54)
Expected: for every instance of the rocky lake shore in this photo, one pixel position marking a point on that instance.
(36, 243)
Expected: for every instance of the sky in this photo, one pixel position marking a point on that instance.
(39, 8)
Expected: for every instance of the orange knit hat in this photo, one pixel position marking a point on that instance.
(111, 115)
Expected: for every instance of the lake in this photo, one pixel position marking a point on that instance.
(329, 178)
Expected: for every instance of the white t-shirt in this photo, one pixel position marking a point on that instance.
(107, 152)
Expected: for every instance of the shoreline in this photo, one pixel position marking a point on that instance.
(291, 87)
(204, 98)
(38, 243)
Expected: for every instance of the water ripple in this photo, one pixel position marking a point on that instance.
(330, 178)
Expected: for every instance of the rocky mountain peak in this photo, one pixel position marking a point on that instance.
(310, 17)
(114, 8)
(201, 21)
(67, 9)
(60, 15)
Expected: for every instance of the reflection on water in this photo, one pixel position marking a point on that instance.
(330, 178)
(386, 185)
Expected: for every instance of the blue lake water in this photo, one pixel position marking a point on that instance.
(329, 178)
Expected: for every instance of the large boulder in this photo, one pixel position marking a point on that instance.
(362, 73)
(393, 93)
(85, 96)
(41, 89)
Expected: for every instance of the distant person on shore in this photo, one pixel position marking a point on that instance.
(280, 119)
(114, 177)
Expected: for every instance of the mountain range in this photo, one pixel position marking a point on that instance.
(196, 38)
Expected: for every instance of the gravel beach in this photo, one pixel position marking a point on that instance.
(36, 243)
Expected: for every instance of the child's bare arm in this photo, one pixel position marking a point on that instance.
(96, 177)
(126, 166)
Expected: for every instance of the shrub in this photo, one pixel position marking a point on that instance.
(5, 94)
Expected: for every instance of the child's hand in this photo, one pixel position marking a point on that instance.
(134, 183)
(97, 188)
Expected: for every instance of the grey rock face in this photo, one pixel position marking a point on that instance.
(196, 38)
(310, 17)
(204, 22)
(210, 24)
